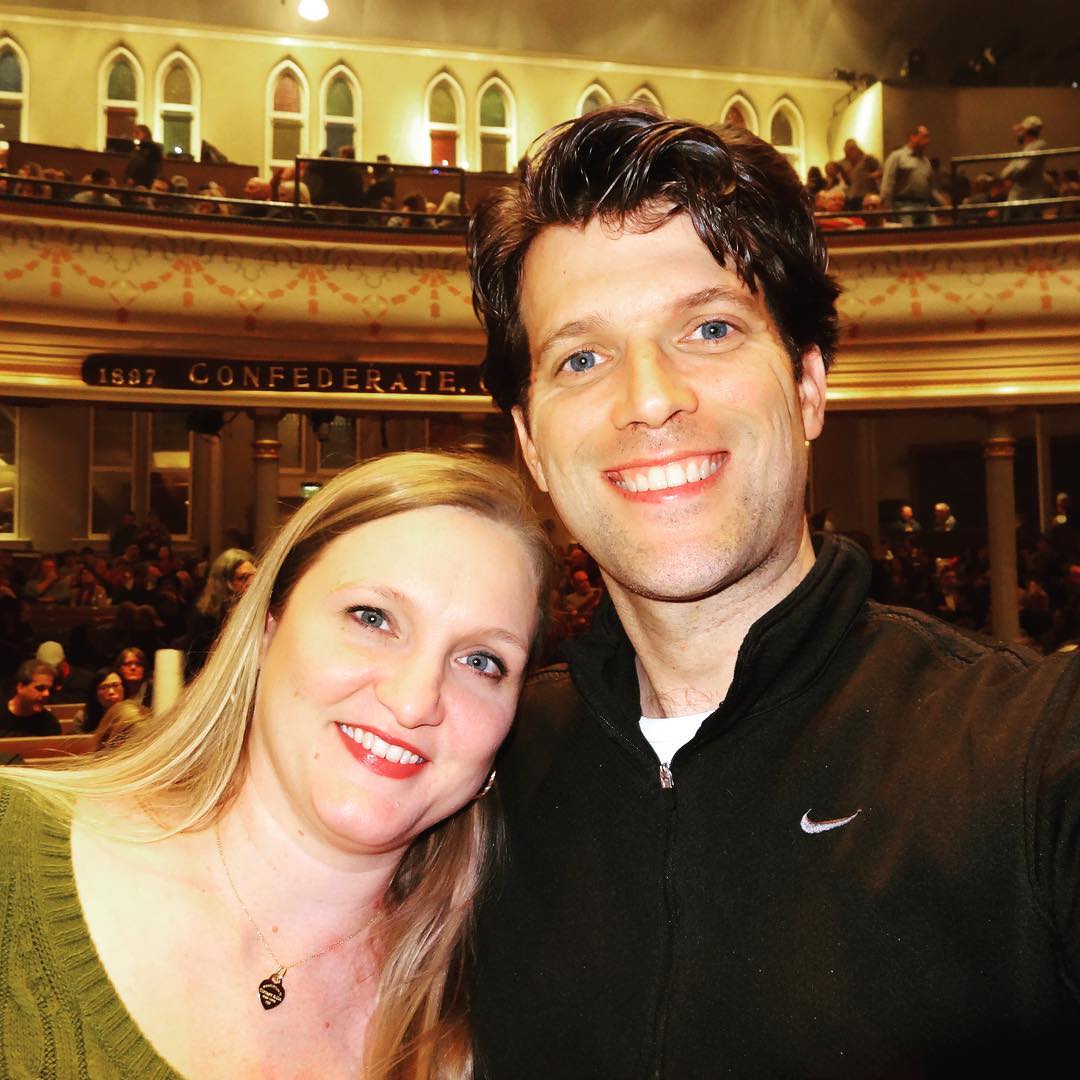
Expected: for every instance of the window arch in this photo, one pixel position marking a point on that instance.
(286, 114)
(645, 95)
(444, 109)
(787, 133)
(14, 91)
(339, 98)
(593, 97)
(738, 111)
(178, 97)
(496, 124)
(120, 96)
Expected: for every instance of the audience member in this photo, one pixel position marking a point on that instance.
(106, 689)
(906, 181)
(145, 161)
(1024, 176)
(138, 686)
(906, 522)
(226, 582)
(943, 518)
(102, 178)
(26, 713)
(48, 585)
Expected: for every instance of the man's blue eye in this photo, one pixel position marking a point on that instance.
(582, 361)
(714, 329)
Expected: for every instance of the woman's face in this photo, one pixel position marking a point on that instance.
(110, 690)
(391, 677)
(132, 668)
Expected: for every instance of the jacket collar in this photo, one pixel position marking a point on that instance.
(782, 653)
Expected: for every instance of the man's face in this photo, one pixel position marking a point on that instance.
(32, 697)
(920, 140)
(663, 416)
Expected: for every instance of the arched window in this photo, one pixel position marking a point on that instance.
(120, 93)
(643, 95)
(786, 132)
(739, 112)
(286, 114)
(13, 91)
(496, 126)
(445, 108)
(340, 97)
(176, 122)
(595, 97)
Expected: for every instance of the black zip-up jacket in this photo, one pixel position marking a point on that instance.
(714, 928)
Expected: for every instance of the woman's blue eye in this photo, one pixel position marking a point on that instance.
(714, 329)
(371, 617)
(484, 664)
(581, 361)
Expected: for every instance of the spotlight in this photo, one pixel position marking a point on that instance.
(312, 10)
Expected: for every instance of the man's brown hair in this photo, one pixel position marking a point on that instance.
(627, 165)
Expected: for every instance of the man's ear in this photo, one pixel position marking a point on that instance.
(812, 393)
(528, 447)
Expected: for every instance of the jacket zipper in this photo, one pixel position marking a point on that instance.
(667, 788)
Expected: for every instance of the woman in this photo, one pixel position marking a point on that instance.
(106, 690)
(138, 687)
(227, 581)
(312, 810)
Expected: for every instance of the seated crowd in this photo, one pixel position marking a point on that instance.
(331, 189)
(113, 612)
(936, 570)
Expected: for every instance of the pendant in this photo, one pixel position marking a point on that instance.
(272, 990)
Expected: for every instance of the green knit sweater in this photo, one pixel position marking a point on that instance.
(60, 1017)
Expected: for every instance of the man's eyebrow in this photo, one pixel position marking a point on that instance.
(716, 294)
(573, 329)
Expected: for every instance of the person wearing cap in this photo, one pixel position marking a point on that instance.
(1025, 174)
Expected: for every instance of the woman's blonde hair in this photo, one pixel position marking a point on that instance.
(194, 754)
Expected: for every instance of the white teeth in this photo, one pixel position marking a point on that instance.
(380, 747)
(675, 474)
(672, 475)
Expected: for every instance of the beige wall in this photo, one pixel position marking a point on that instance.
(65, 56)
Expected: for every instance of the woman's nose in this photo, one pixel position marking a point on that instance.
(412, 691)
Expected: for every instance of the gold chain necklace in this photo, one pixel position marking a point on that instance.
(272, 988)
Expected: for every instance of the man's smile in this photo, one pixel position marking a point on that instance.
(645, 478)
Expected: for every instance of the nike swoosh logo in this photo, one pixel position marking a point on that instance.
(809, 826)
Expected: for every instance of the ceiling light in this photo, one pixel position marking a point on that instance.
(312, 10)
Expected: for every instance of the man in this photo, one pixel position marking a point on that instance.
(907, 522)
(863, 172)
(26, 713)
(1025, 175)
(145, 161)
(944, 520)
(907, 179)
(100, 178)
(763, 827)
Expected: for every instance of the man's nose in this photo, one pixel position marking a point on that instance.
(653, 388)
(411, 689)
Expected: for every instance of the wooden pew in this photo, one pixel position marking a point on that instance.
(35, 748)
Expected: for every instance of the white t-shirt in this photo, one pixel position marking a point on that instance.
(666, 734)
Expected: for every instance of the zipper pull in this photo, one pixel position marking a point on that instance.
(666, 779)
